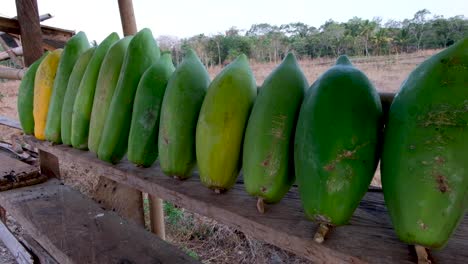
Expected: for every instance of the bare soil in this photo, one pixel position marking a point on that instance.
(204, 238)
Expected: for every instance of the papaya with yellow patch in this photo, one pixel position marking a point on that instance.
(43, 86)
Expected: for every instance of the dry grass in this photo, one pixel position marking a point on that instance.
(206, 239)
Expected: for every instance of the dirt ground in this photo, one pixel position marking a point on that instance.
(202, 237)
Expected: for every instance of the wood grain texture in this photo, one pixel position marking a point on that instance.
(74, 229)
(21, 255)
(30, 27)
(369, 237)
(40, 255)
(15, 174)
(122, 199)
(127, 16)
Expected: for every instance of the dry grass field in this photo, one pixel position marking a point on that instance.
(208, 240)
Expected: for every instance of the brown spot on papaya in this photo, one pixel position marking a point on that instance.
(329, 167)
(263, 189)
(266, 162)
(442, 183)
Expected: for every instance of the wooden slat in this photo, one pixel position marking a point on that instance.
(39, 252)
(74, 229)
(21, 255)
(10, 25)
(369, 237)
(11, 73)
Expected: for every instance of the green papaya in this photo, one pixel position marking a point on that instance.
(269, 138)
(336, 147)
(424, 161)
(25, 102)
(221, 124)
(142, 52)
(179, 114)
(71, 52)
(72, 88)
(84, 98)
(143, 138)
(105, 87)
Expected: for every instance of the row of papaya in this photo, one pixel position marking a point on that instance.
(124, 97)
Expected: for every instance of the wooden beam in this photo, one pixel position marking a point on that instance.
(21, 255)
(127, 16)
(369, 237)
(31, 34)
(75, 229)
(12, 26)
(11, 73)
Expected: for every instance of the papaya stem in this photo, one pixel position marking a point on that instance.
(217, 191)
(322, 231)
(421, 252)
(260, 205)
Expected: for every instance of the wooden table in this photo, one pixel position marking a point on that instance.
(368, 238)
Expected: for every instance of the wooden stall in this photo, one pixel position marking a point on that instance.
(65, 226)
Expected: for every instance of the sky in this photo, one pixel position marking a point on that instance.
(186, 18)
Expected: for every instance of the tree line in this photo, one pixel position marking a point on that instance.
(356, 37)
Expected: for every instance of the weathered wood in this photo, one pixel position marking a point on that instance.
(5, 121)
(31, 34)
(15, 174)
(124, 200)
(21, 255)
(4, 55)
(39, 253)
(369, 237)
(11, 26)
(74, 229)
(127, 16)
(11, 73)
(49, 164)
(157, 216)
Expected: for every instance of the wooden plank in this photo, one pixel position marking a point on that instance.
(39, 253)
(127, 16)
(10, 122)
(21, 255)
(17, 51)
(74, 229)
(122, 199)
(15, 174)
(369, 237)
(49, 164)
(31, 35)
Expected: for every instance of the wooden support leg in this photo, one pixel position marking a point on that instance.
(157, 216)
(49, 164)
(126, 201)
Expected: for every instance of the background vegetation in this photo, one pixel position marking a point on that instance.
(356, 37)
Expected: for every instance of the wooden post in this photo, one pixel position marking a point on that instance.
(31, 34)
(11, 73)
(128, 17)
(157, 216)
